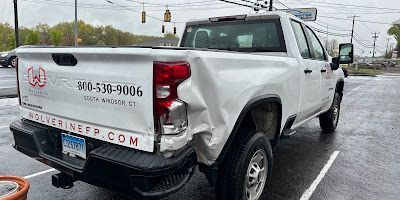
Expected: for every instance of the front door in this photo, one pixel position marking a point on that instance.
(311, 75)
(323, 67)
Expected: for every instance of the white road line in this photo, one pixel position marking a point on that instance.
(9, 102)
(1, 127)
(39, 173)
(355, 89)
(307, 194)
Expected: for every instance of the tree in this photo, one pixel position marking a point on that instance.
(395, 31)
(62, 34)
(170, 35)
(7, 41)
(331, 46)
(56, 37)
(44, 34)
(32, 38)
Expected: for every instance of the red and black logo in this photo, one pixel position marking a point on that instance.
(37, 79)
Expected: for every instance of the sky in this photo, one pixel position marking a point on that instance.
(333, 16)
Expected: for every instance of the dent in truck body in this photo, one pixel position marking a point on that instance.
(216, 95)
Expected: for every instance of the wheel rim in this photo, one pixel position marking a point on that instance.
(256, 176)
(336, 110)
(13, 62)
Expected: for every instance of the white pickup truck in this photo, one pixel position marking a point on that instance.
(138, 120)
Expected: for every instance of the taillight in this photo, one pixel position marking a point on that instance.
(169, 111)
(18, 92)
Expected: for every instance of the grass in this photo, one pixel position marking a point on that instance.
(363, 71)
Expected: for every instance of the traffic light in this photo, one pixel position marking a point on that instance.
(163, 29)
(167, 16)
(143, 17)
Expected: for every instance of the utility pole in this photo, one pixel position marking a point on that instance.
(270, 5)
(16, 23)
(352, 28)
(387, 46)
(76, 23)
(373, 52)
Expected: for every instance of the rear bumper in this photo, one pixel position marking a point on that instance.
(111, 166)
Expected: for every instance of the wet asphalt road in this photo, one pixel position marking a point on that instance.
(367, 166)
(8, 85)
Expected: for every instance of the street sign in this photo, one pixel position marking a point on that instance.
(306, 14)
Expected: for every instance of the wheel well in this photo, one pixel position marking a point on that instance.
(263, 115)
(264, 118)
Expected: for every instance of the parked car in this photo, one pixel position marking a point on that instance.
(221, 100)
(8, 58)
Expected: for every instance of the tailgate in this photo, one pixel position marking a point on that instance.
(107, 95)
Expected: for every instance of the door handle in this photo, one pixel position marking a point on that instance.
(307, 71)
(323, 70)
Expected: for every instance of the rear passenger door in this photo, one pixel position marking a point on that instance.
(323, 67)
(311, 75)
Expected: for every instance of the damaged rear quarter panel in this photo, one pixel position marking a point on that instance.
(221, 84)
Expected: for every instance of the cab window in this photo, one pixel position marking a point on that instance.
(319, 53)
(301, 39)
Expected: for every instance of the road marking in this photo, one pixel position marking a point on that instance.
(307, 194)
(8, 76)
(355, 89)
(9, 102)
(1, 127)
(39, 173)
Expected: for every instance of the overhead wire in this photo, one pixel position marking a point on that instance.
(110, 7)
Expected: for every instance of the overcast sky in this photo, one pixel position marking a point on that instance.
(100, 12)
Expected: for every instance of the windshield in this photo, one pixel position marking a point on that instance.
(248, 36)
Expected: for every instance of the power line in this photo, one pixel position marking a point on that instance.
(359, 7)
(329, 33)
(330, 27)
(283, 4)
(236, 3)
(127, 8)
(105, 6)
(116, 8)
(164, 5)
(357, 20)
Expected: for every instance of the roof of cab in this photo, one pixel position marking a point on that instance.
(255, 16)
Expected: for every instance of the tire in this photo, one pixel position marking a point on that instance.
(328, 121)
(254, 152)
(13, 62)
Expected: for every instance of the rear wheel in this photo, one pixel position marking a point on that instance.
(246, 170)
(328, 121)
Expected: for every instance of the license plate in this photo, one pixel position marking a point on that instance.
(73, 146)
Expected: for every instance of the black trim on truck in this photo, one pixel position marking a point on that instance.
(254, 102)
(212, 171)
(107, 165)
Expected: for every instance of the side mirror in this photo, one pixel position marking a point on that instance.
(346, 55)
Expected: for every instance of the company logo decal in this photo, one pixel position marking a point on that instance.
(38, 79)
(328, 73)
